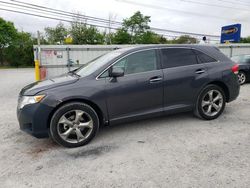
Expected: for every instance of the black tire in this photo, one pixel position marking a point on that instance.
(199, 112)
(54, 123)
(242, 77)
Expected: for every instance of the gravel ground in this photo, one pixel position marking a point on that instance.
(173, 151)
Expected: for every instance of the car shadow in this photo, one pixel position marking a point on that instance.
(36, 147)
(155, 122)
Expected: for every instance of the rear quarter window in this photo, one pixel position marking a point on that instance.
(204, 58)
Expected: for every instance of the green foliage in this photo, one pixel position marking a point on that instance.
(121, 37)
(185, 39)
(136, 26)
(150, 37)
(245, 40)
(20, 52)
(7, 33)
(56, 35)
(83, 34)
(16, 48)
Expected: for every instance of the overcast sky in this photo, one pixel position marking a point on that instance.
(206, 16)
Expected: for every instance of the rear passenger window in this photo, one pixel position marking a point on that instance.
(203, 58)
(176, 57)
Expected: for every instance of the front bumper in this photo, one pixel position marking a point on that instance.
(34, 119)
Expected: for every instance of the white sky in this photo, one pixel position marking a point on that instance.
(181, 15)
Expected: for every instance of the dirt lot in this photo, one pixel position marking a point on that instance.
(173, 151)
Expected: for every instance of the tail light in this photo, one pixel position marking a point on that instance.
(235, 69)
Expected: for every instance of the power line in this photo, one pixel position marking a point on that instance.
(60, 19)
(234, 2)
(120, 23)
(214, 5)
(61, 11)
(108, 21)
(171, 9)
(184, 33)
(96, 19)
(71, 15)
(53, 18)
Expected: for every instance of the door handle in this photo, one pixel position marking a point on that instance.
(155, 79)
(200, 71)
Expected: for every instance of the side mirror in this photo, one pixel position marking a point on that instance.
(116, 72)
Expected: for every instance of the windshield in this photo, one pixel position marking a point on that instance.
(96, 63)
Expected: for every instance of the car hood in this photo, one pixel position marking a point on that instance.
(34, 88)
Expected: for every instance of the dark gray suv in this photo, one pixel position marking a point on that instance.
(128, 84)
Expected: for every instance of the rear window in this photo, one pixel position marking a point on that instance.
(176, 57)
(204, 58)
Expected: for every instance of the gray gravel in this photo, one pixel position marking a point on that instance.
(173, 151)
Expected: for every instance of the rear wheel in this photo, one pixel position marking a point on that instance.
(242, 77)
(74, 124)
(211, 102)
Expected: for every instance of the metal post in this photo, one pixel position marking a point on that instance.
(37, 70)
(231, 51)
(68, 59)
(38, 58)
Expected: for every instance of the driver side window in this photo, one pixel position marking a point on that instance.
(137, 62)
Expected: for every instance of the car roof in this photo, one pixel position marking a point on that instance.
(149, 46)
(207, 49)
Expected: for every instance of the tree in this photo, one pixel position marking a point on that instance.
(136, 26)
(56, 35)
(8, 34)
(245, 40)
(121, 37)
(83, 34)
(185, 39)
(150, 37)
(20, 51)
(135, 30)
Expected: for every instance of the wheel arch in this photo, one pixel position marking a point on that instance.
(243, 70)
(223, 86)
(97, 109)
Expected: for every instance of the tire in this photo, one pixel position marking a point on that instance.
(74, 124)
(204, 102)
(242, 77)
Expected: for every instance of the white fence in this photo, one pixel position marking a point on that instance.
(59, 59)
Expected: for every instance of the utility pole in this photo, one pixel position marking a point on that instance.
(109, 28)
(39, 46)
(111, 19)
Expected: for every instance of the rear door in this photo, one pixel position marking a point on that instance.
(184, 77)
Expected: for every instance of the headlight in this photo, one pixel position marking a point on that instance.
(24, 100)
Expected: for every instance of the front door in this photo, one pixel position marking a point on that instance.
(139, 91)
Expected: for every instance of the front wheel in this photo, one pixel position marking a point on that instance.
(211, 103)
(74, 124)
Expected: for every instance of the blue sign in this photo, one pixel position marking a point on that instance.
(230, 33)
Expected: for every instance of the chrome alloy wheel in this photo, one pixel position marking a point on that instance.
(212, 103)
(242, 78)
(75, 126)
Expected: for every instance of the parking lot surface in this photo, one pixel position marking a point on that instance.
(171, 151)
